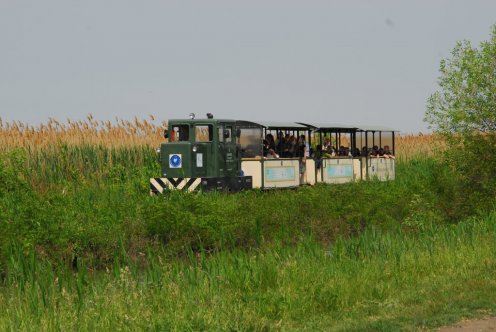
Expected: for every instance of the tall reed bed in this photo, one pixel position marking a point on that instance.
(420, 146)
(57, 153)
(146, 133)
(121, 133)
(391, 280)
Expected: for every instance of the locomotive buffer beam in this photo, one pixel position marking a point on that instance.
(238, 183)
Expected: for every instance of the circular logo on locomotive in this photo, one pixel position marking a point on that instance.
(175, 161)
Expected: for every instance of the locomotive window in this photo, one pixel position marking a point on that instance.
(203, 133)
(221, 134)
(180, 133)
(225, 134)
(228, 134)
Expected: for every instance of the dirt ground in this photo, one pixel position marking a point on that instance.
(476, 325)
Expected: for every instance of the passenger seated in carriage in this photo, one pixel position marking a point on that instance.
(356, 152)
(268, 152)
(374, 152)
(388, 153)
(328, 149)
(270, 141)
(327, 144)
(365, 151)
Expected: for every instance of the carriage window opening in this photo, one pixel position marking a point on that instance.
(370, 140)
(180, 133)
(250, 140)
(387, 139)
(203, 133)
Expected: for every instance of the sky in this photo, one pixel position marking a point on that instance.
(353, 62)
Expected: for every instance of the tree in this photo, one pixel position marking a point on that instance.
(464, 112)
(467, 100)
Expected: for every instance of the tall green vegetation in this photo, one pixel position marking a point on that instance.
(464, 111)
(84, 247)
(381, 280)
(93, 203)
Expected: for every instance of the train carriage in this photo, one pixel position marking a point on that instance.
(229, 155)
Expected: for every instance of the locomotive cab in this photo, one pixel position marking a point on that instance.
(201, 152)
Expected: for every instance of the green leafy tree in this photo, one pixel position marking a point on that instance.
(464, 111)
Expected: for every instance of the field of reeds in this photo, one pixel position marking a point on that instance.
(76, 151)
(142, 132)
(118, 133)
(84, 247)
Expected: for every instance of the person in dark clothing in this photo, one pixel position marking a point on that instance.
(270, 141)
(302, 155)
(375, 151)
(268, 152)
(318, 154)
(365, 151)
(280, 144)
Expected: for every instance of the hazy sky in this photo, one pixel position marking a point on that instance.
(367, 62)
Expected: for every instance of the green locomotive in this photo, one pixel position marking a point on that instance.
(201, 153)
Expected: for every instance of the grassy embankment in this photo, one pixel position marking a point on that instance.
(409, 253)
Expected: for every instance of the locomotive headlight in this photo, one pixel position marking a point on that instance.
(195, 148)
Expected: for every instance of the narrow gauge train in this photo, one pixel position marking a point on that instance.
(229, 155)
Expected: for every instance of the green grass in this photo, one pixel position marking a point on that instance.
(416, 252)
(107, 211)
(380, 281)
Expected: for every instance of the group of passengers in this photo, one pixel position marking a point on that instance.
(378, 152)
(328, 150)
(289, 146)
(286, 146)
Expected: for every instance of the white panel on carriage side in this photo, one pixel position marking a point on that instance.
(364, 168)
(391, 169)
(381, 168)
(281, 173)
(318, 175)
(357, 166)
(373, 168)
(338, 170)
(253, 167)
(310, 174)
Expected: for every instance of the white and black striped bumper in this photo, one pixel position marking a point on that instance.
(159, 185)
